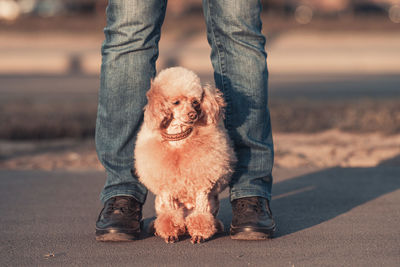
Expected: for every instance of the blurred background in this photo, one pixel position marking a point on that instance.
(334, 78)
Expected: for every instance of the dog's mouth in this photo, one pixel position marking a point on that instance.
(176, 136)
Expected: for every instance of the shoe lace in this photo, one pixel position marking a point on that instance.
(254, 203)
(125, 206)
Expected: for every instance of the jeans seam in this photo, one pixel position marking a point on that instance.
(160, 22)
(221, 63)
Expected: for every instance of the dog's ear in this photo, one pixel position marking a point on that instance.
(156, 112)
(212, 105)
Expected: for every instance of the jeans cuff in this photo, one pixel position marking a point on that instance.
(140, 197)
(249, 193)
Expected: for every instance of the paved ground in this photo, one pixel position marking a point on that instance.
(329, 217)
(295, 51)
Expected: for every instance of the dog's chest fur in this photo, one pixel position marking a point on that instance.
(197, 163)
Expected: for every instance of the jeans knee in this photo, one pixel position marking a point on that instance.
(133, 22)
(238, 21)
(242, 11)
(135, 10)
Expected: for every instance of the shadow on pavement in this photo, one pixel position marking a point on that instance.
(50, 216)
(395, 161)
(308, 200)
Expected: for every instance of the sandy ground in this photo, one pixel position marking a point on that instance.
(335, 148)
(362, 46)
(295, 51)
(326, 149)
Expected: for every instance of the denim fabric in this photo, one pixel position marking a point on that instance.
(238, 56)
(240, 72)
(129, 53)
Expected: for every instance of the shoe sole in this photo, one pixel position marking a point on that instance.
(113, 235)
(251, 234)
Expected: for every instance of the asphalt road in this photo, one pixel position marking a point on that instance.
(306, 86)
(329, 217)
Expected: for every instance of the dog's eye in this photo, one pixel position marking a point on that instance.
(195, 102)
(176, 102)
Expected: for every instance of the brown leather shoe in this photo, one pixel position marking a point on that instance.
(252, 219)
(119, 220)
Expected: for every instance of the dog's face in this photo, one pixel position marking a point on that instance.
(186, 109)
(176, 94)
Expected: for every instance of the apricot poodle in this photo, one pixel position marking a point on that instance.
(183, 155)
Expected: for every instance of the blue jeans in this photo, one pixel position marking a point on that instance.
(129, 53)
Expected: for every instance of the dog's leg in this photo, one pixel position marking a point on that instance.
(201, 224)
(214, 208)
(170, 222)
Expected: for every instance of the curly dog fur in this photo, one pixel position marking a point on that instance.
(183, 154)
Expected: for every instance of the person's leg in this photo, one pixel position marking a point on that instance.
(239, 60)
(240, 71)
(129, 53)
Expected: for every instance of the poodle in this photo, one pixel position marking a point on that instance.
(183, 155)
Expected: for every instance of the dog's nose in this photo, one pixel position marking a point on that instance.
(192, 115)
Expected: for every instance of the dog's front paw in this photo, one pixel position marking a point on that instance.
(197, 239)
(169, 226)
(201, 226)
